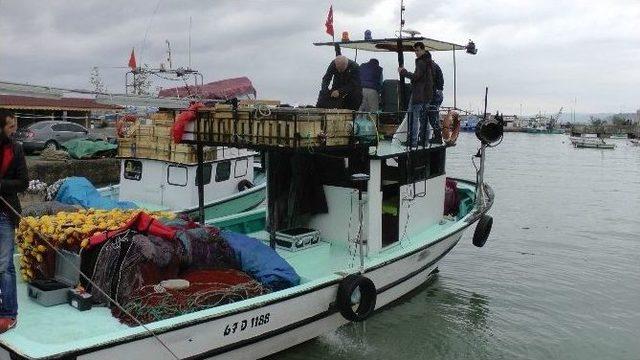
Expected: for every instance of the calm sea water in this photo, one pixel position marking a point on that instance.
(559, 278)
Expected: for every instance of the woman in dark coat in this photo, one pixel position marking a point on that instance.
(13, 180)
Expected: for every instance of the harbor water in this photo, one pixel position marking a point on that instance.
(559, 277)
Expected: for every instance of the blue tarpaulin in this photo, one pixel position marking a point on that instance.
(261, 262)
(80, 191)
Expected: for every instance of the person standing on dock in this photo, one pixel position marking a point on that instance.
(422, 92)
(434, 106)
(13, 180)
(346, 92)
(371, 80)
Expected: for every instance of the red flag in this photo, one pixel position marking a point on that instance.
(132, 60)
(329, 22)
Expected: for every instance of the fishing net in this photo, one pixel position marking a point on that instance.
(148, 260)
(208, 288)
(47, 208)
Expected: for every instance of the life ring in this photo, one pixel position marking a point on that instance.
(356, 290)
(244, 184)
(451, 128)
(483, 229)
(123, 124)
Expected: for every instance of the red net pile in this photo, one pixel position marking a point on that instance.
(207, 288)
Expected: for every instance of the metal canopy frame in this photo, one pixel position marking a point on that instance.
(391, 44)
(400, 45)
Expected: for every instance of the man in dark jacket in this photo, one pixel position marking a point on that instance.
(421, 95)
(434, 106)
(371, 80)
(13, 179)
(346, 91)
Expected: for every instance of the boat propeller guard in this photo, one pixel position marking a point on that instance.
(356, 298)
(483, 229)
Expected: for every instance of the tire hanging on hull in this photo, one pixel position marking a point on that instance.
(356, 290)
(483, 229)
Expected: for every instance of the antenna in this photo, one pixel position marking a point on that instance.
(401, 17)
(189, 66)
(169, 54)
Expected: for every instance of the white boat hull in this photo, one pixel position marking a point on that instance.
(291, 320)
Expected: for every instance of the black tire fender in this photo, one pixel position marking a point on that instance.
(346, 301)
(483, 229)
(244, 184)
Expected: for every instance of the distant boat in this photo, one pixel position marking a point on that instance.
(591, 143)
(470, 123)
(619, 136)
(635, 142)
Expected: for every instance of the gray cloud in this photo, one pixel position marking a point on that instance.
(541, 54)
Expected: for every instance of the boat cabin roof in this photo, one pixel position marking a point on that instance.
(391, 44)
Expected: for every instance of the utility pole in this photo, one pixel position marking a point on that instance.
(169, 54)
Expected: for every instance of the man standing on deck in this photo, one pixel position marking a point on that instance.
(434, 106)
(13, 179)
(422, 91)
(346, 91)
(371, 80)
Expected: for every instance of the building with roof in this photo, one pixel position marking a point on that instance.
(29, 110)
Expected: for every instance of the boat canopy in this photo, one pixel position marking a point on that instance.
(391, 45)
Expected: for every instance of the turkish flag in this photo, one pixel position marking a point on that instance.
(329, 22)
(132, 60)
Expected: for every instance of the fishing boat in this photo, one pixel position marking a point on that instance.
(469, 123)
(389, 215)
(233, 183)
(619, 136)
(591, 143)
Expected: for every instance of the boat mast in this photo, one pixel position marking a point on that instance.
(401, 93)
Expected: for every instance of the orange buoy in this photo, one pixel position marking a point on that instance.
(451, 128)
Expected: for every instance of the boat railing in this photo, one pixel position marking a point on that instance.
(303, 128)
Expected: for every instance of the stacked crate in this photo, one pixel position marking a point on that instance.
(282, 127)
(155, 142)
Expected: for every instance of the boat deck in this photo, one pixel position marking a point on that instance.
(53, 331)
(388, 149)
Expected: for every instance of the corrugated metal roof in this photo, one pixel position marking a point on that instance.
(34, 103)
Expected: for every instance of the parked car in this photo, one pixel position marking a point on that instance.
(49, 134)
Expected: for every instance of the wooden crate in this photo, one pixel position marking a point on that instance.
(163, 155)
(184, 157)
(162, 131)
(145, 152)
(145, 130)
(132, 130)
(163, 118)
(163, 144)
(147, 141)
(126, 147)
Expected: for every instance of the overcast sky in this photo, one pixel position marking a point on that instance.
(534, 55)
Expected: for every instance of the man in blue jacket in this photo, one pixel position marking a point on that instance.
(371, 80)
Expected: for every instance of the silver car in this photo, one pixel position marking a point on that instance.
(49, 134)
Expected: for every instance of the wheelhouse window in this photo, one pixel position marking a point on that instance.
(133, 170)
(223, 171)
(177, 175)
(241, 168)
(207, 169)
